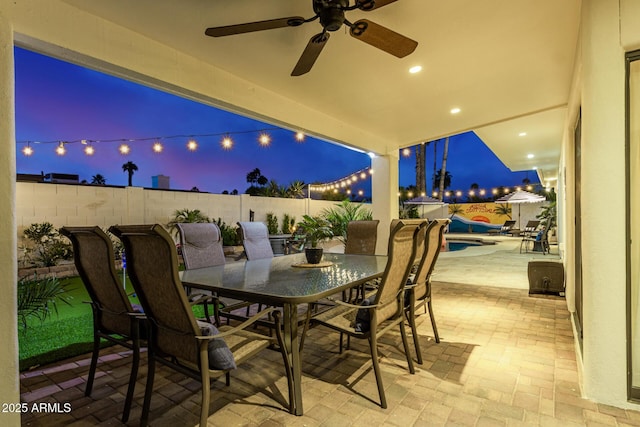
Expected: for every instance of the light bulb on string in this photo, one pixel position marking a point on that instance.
(299, 136)
(60, 149)
(124, 149)
(264, 139)
(192, 145)
(157, 147)
(226, 142)
(89, 150)
(27, 151)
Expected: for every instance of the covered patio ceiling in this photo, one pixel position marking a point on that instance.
(506, 64)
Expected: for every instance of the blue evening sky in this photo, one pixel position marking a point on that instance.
(59, 101)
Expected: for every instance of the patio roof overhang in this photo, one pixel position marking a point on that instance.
(506, 65)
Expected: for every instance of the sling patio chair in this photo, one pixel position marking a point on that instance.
(201, 245)
(418, 289)
(255, 239)
(177, 340)
(383, 311)
(114, 318)
(361, 237)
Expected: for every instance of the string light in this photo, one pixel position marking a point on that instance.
(406, 152)
(344, 182)
(27, 151)
(192, 145)
(60, 150)
(226, 142)
(264, 139)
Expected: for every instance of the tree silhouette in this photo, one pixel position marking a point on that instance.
(130, 168)
(98, 179)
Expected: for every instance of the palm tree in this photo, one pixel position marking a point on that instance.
(98, 179)
(186, 216)
(503, 209)
(296, 190)
(443, 170)
(443, 183)
(130, 168)
(253, 176)
(421, 157)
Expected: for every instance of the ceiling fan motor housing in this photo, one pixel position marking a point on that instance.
(331, 13)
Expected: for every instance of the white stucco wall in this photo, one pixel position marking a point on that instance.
(9, 387)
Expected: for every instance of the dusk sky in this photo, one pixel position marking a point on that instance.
(58, 101)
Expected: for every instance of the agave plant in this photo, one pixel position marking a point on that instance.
(344, 212)
(37, 298)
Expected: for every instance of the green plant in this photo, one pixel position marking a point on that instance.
(229, 233)
(408, 211)
(272, 223)
(37, 297)
(548, 213)
(344, 212)
(316, 229)
(46, 246)
(182, 216)
(288, 224)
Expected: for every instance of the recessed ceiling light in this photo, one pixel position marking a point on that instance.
(522, 134)
(455, 110)
(530, 156)
(415, 69)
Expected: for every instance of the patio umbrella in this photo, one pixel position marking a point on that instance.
(521, 196)
(424, 200)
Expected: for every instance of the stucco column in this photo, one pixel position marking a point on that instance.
(9, 385)
(603, 203)
(384, 188)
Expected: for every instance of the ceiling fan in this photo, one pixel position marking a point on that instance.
(331, 14)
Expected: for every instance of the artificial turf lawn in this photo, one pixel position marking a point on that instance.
(66, 334)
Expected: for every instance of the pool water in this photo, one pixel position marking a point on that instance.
(458, 246)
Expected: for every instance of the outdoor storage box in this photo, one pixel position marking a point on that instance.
(546, 277)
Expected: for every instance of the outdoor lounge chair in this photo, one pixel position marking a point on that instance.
(537, 241)
(114, 318)
(418, 292)
(361, 237)
(384, 311)
(255, 239)
(176, 339)
(506, 227)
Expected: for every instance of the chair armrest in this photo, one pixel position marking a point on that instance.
(240, 327)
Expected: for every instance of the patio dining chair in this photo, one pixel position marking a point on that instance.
(114, 318)
(385, 310)
(361, 237)
(255, 239)
(537, 241)
(201, 246)
(176, 339)
(418, 289)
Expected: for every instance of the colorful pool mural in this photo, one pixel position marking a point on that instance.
(478, 217)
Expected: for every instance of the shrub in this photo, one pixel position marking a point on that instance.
(272, 223)
(46, 246)
(37, 297)
(229, 233)
(288, 224)
(182, 216)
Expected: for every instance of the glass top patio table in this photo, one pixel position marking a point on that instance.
(275, 281)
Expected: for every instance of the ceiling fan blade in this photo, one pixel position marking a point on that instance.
(229, 30)
(310, 54)
(383, 38)
(372, 5)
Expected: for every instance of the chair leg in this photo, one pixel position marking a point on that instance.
(132, 377)
(411, 318)
(307, 321)
(206, 393)
(151, 370)
(405, 343)
(373, 344)
(433, 321)
(94, 363)
(341, 335)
